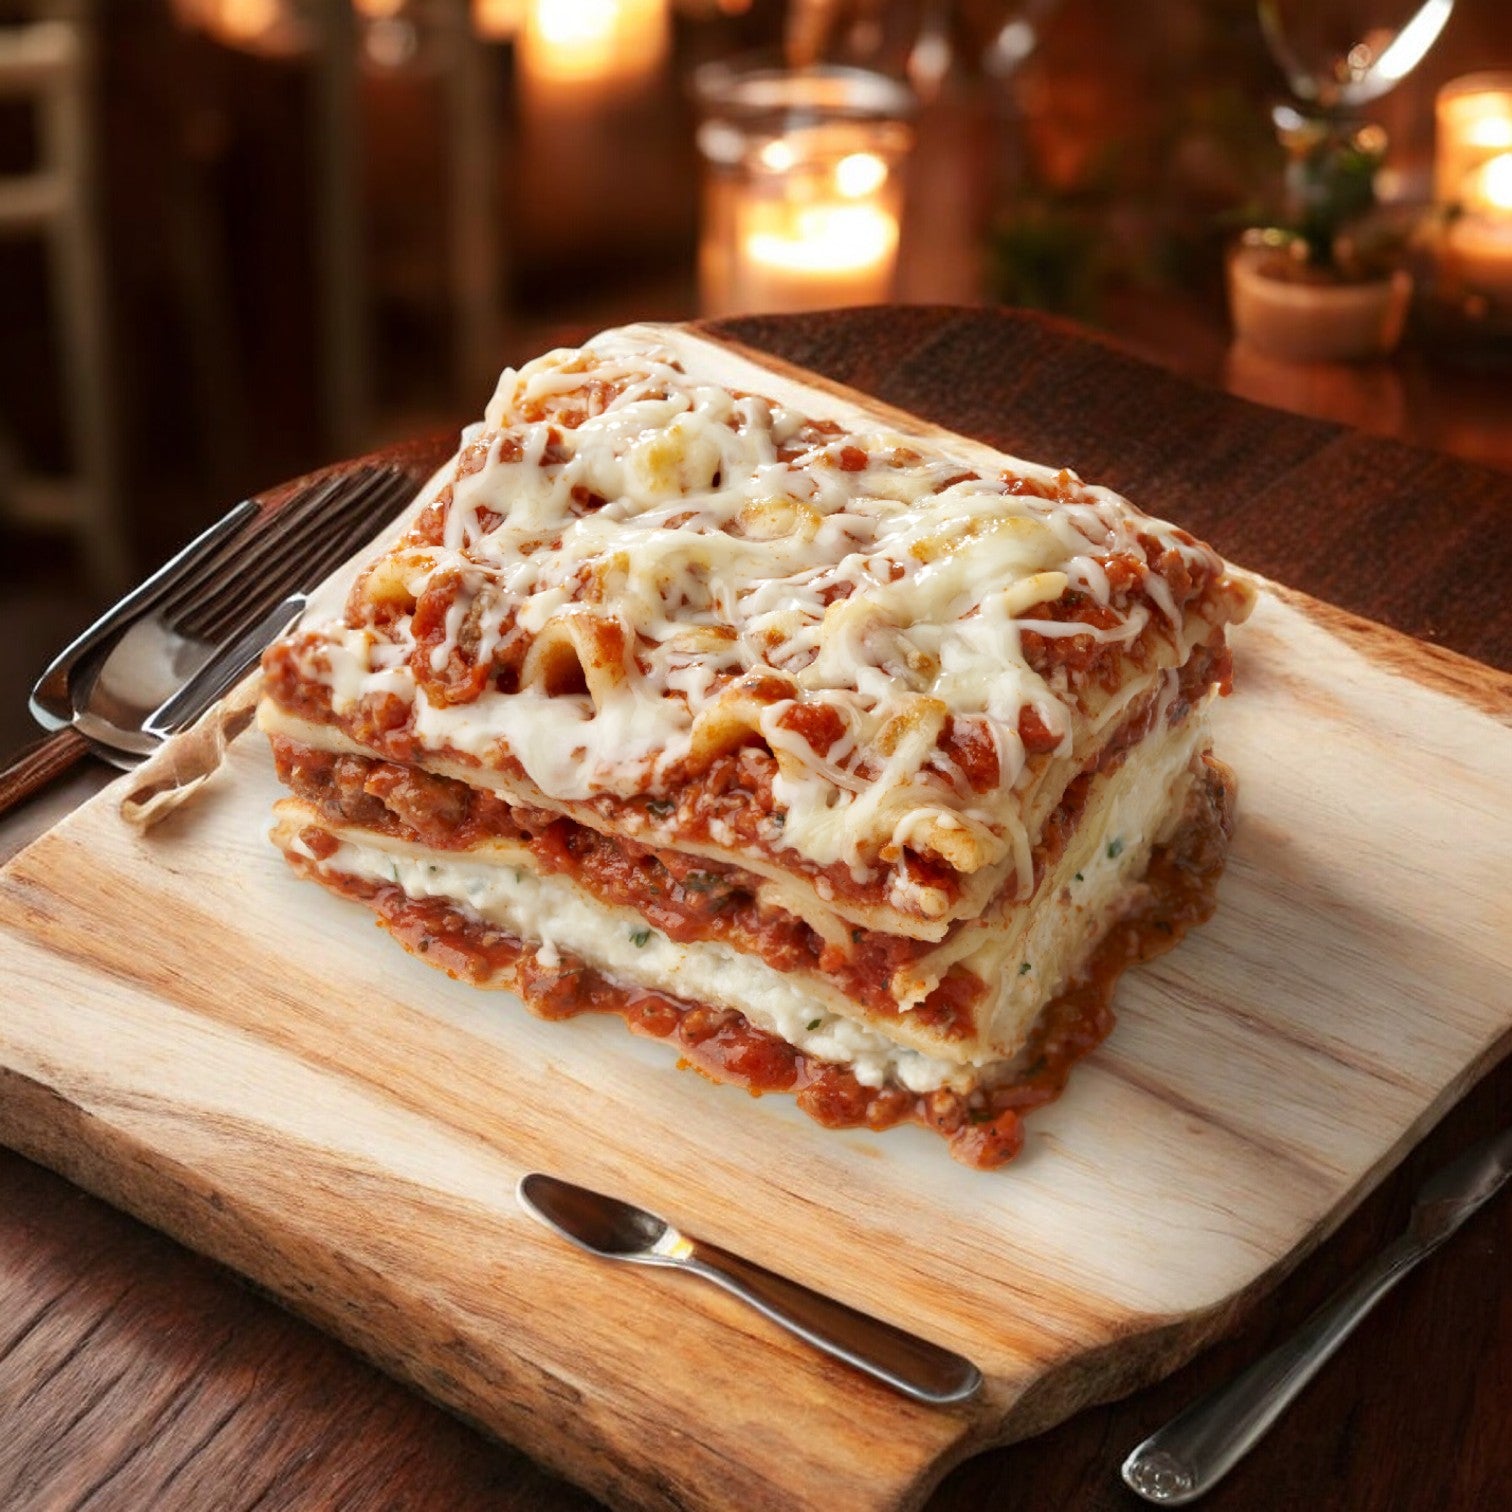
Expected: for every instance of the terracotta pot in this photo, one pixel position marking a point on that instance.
(1314, 322)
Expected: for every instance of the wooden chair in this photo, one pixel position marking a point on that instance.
(48, 63)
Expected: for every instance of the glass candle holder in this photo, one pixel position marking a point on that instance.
(272, 28)
(1474, 148)
(803, 190)
(1473, 181)
(592, 51)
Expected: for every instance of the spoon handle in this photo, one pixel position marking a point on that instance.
(907, 1363)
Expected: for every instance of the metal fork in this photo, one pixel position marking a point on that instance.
(157, 659)
(1193, 1452)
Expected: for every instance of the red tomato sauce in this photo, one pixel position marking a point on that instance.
(984, 1127)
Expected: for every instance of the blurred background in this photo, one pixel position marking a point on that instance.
(242, 238)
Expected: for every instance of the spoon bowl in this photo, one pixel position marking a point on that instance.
(617, 1230)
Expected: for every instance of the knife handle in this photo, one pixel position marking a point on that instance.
(40, 763)
(924, 1371)
(1193, 1452)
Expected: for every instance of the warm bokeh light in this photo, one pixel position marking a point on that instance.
(1491, 186)
(860, 174)
(233, 21)
(777, 156)
(828, 239)
(1474, 120)
(271, 27)
(593, 43)
(1490, 131)
(497, 20)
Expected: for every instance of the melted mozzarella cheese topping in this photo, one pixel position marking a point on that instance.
(677, 567)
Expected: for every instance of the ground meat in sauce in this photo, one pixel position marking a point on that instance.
(731, 797)
(686, 897)
(984, 1127)
(690, 898)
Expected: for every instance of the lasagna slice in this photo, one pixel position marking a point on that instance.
(849, 754)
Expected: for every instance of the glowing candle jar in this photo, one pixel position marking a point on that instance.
(276, 28)
(498, 20)
(803, 195)
(577, 53)
(1473, 176)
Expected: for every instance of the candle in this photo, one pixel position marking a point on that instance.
(1479, 242)
(274, 27)
(800, 212)
(800, 253)
(1479, 253)
(497, 20)
(576, 54)
(1474, 127)
(244, 20)
(1473, 178)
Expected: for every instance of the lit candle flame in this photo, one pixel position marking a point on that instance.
(246, 20)
(1493, 184)
(828, 239)
(1489, 131)
(593, 41)
(859, 175)
(1475, 143)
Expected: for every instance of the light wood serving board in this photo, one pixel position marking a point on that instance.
(243, 1061)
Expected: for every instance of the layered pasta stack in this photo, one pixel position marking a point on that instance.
(848, 755)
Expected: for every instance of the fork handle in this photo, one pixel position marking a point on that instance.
(40, 763)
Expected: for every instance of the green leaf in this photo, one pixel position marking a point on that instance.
(813, 1024)
(1115, 848)
(639, 937)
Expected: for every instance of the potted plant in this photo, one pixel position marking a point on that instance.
(1326, 283)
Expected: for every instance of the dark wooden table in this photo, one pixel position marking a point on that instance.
(134, 1374)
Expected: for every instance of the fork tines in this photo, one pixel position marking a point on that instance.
(289, 549)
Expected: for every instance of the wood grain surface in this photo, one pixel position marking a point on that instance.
(280, 1487)
(39, 765)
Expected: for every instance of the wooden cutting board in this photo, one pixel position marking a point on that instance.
(243, 1061)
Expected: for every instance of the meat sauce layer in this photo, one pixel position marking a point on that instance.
(731, 797)
(688, 898)
(984, 1127)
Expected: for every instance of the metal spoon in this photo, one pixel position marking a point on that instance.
(615, 1230)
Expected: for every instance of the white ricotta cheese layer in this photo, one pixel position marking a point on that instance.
(555, 914)
(1026, 955)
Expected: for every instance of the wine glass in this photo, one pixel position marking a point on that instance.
(1339, 55)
